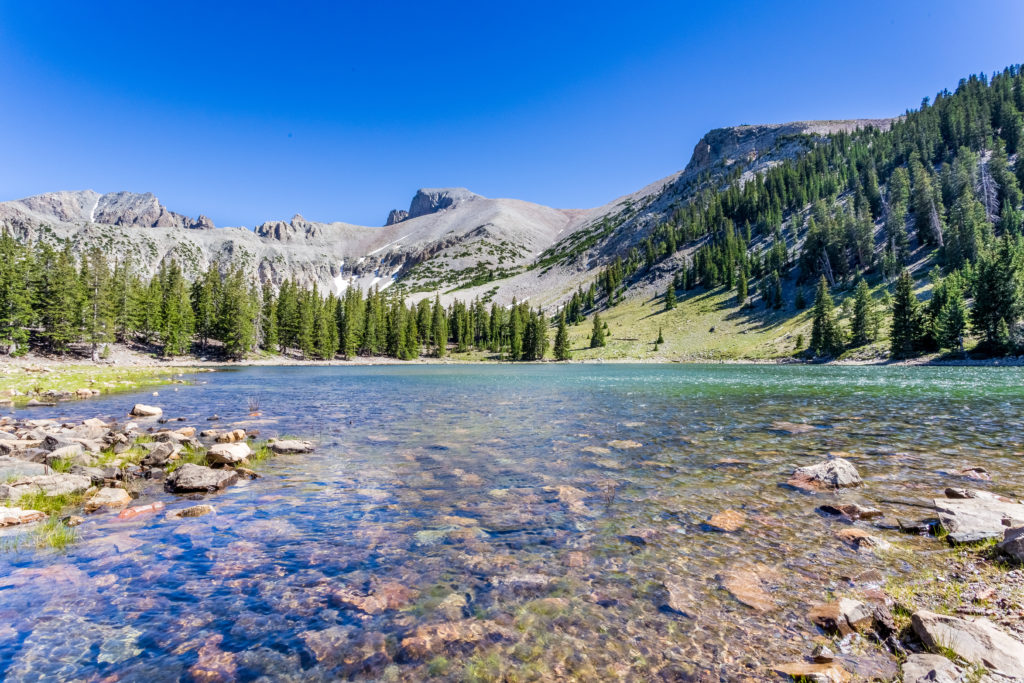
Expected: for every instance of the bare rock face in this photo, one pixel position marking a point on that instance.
(143, 210)
(976, 641)
(396, 216)
(427, 201)
(202, 223)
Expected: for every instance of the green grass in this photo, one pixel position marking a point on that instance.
(188, 454)
(68, 378)
(53, 533)
(51, 505)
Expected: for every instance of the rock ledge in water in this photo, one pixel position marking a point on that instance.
(976, 641)
(826, 476)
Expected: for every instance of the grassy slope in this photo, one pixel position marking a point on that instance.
(752, 333)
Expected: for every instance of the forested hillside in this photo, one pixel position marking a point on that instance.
(933, 204)
(914, 228)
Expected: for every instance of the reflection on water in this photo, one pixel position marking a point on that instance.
(469, 522)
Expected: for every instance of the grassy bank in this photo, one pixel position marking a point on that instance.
(22, 383)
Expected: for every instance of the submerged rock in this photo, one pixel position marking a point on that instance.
(748, 586)
(851, 511)
(792, 427)
(434, 638)
(727, 520)
(624, 444)
(844, 617)
(977, 641)
(827, 475)
(192, 478)
(862, 540)
(194, 511)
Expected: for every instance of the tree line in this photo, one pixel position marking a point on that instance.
(53, 300)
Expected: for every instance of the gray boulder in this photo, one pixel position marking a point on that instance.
(160, 454)
(12, 468)
(291, 446)
(1013, 543)
(47, 484)
(984, 515)
(928, 668)
(191, 478)
(143, 410)
(228, 453)
(977, 641)
(827, 475)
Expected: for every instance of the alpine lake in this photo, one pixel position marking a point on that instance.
(512, 522)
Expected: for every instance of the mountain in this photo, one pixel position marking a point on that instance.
(450, 240)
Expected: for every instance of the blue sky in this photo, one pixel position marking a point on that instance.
(248, 112)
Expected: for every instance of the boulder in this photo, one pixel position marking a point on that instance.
(47, 484)
(928, 668)
(143, 410)
(13, 516)
(232, 436)
(191, 478)
(228, 453)
(978, 517)
(844, 617)
(161, 454)
(1013, 543)
(94, 422)
(825, 476)
(108, 498)
(291, 446)
(977, 641)
(12, 468)
(52, 443)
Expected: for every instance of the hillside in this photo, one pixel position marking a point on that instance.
(451, 240)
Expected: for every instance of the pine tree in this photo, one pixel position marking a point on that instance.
(863, 315)
(951, 321)
(742, 287)
(661, 338)
(15, 296)
(238, 314)
(98, 318)
(439, 328)
(562, 351)
(998, 297)
(670, 297)
(177, 319)
(597, 335)
(826, 335)
(268, 319)
(60, 298)
(905, 338)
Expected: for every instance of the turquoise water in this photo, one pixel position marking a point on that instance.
(504, 499)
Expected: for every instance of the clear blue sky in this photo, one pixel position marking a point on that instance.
(341, 110)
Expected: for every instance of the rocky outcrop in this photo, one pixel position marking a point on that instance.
(978, 516)
(396, 216)
(977, 641)
(143, 410)
(428, 200)
(140, 210)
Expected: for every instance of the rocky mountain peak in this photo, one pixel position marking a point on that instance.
(396, 216)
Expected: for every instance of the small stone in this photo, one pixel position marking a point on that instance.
(861, 540)
(14, 516)
(748, 586)
(232, 436)
(792, 427)
(976, 473)
(1013, 543)
(72, 520)
(822, 654)
(814, 673)
(851, 511)
(625, 444)
(929, 668)
(192, 478)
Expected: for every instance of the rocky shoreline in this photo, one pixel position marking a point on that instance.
(52, 473)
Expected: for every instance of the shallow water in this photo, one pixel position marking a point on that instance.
(437, 481)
